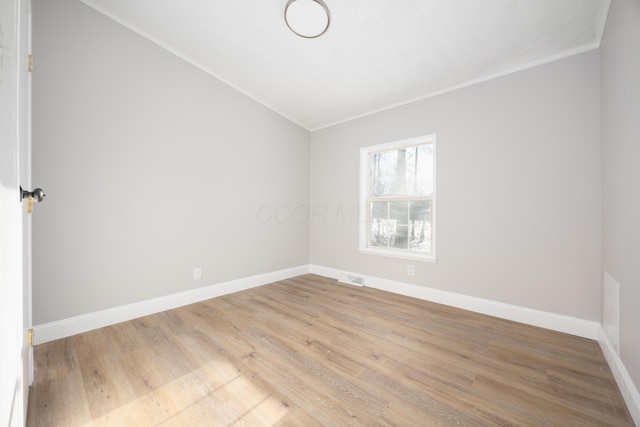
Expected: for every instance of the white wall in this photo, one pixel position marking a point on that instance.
(621, 170)
(151, 168)
(518, 189)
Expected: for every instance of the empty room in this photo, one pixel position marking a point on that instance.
(320, 212)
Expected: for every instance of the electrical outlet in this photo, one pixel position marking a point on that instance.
(410, 270)
(197, 273)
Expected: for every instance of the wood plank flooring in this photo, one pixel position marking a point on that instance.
(309, 352)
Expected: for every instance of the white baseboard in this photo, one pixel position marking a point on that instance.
(543, 319)
(87, 322)
(556, 322)
(574, 326)
(625, 383)
(75, 325)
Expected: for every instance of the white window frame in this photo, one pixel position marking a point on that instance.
(365, 223)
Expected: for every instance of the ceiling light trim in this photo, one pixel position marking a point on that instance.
(307, 18)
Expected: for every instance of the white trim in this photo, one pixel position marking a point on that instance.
(364, 199)
(543, 319)
(29, 237)
(87, 322)
(600, 26)
(571, 325)
(331, 273)
(623, 379)
(311, 128)
(398, 254)
(175, 51)
(506, 72)
(556, 322)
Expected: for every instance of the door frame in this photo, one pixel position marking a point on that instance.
(25, 159)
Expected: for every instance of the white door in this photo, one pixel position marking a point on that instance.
(24, 167)
(15, 304)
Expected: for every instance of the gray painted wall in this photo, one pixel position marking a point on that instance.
(620, 53)
(518, 189)
(151, 168)
(182, 171)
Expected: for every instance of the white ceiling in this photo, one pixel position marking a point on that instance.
(376, 53)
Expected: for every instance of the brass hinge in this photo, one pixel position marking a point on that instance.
(30, 63)
(30, 337)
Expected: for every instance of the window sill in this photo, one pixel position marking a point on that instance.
(401, 255)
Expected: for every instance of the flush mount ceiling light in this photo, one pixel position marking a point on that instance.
(307, 18)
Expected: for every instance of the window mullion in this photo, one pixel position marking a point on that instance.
(409, 228)
(388, 223)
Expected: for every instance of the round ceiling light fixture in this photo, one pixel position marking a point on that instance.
(307, 18)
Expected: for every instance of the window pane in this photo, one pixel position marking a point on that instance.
(400, 239)
(420, 226)
(380, 226)
(406, 171)
(399, 216)
(399, 211)
(398, 194)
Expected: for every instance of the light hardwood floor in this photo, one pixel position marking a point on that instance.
(308, 351)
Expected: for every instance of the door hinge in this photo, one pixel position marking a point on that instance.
(30, 337)
(30, 63)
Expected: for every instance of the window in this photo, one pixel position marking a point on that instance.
(397, 199)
